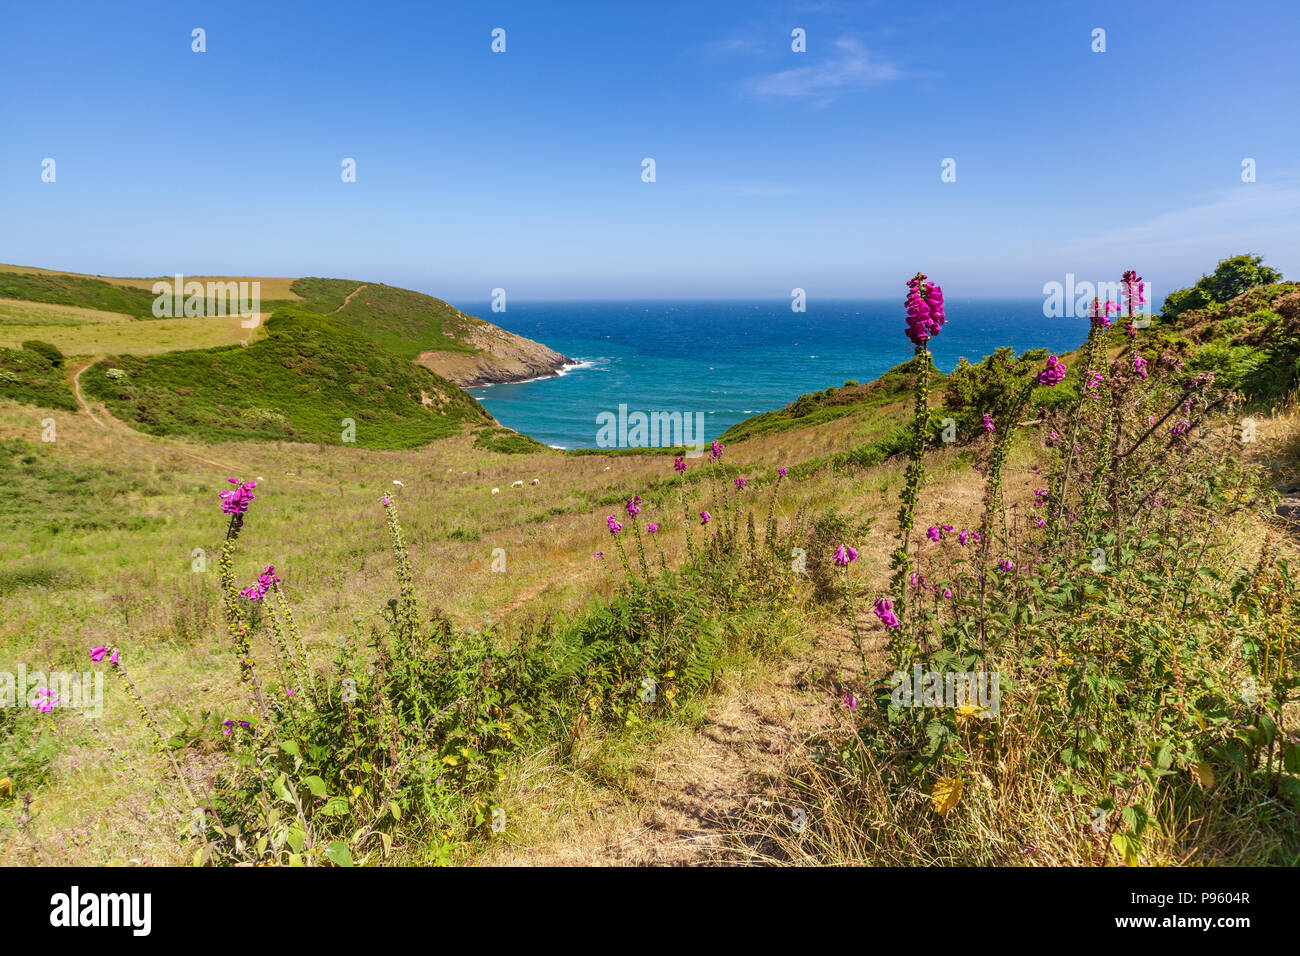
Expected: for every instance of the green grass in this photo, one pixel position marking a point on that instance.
(818, 408)
(28, 377)
(323, 295)
(299, 383)
(506, 442)
(405, 322)
(80, 291)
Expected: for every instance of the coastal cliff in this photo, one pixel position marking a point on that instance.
(500, 357)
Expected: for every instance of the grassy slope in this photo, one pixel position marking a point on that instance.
(404, 322)
(298, 383)
(74, 290)
(140, 508)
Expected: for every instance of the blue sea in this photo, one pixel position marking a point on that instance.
(731, 359)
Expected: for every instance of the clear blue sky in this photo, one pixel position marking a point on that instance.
(775, 169)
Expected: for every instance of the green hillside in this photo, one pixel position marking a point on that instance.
(76, 290)
(404, 322)
(298, 383)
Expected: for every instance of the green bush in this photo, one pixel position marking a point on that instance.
(47, 351)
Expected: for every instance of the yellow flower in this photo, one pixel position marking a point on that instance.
(970, 712)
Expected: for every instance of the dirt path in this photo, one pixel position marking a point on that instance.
(349, 297)
(706, 794)
(124, 431)
(686, 801)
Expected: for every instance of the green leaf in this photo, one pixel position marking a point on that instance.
(335, 806)
(339, 854)
(1291, 758)
(281, 789)
(316, 785)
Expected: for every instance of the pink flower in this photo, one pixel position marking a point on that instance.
(781, 471)
(933, 533)
(652, 528)
(1140, 365)
(717, 449)
(97, 653)
(255, 592)
(849, 700)
(46, 700)
(924, 304)
(1053, 374)
(1100, 312)
(385, 500)
(845, 555)
(988, 422)
(705, 517)
(679, 463)
(236, 501)
(963, 536)
(1133, 289)
(1094, 379)
(740, 484)
(614, 525)
(885, 611)
(947, 592)
(634, 505)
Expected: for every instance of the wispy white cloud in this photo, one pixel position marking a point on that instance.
(737, 43)
(850, 67)
(1251, 211)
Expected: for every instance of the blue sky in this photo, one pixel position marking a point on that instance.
(774, 169)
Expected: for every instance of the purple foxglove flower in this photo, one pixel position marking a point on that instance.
(885, 611)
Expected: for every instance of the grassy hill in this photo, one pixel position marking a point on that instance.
(404, 322)
(298, 383)
(93, 315)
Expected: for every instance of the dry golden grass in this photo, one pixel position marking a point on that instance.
(273, 287)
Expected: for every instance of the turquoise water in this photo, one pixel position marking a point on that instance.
(731, 359)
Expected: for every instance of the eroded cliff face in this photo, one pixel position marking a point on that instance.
(501, 357)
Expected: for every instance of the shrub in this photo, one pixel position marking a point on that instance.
(46, 351)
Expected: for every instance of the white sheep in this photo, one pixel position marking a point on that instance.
(536, 480)
(517, 484)
(496, 491)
